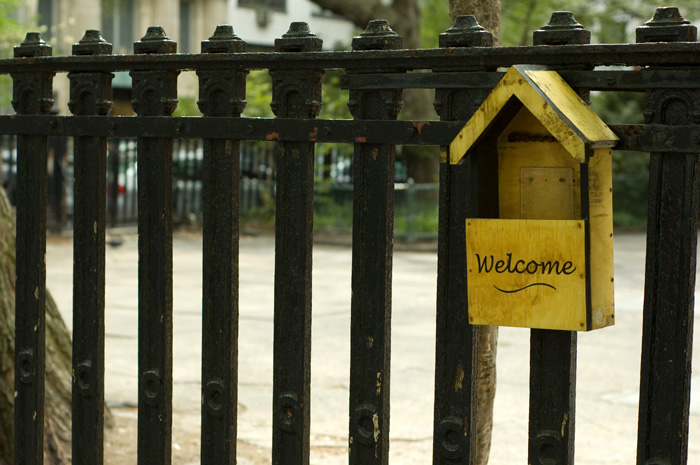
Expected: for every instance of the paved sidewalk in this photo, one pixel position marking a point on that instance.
(608, 360)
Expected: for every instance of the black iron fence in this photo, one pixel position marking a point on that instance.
(415, 215)
(663, 65)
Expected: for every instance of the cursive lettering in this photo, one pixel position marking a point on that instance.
(486, 264)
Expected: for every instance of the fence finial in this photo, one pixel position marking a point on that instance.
(377, 36)
(33, 46)
(224, 40)
(155, 41)
(92, 43)
(562, 29)
(298, 38)
(466, 32)
(667, 25)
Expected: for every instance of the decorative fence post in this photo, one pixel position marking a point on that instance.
(553, 353)
(221, 93)
(455, 417)
(31, 96)
(372, 232)
(295, 94)
(91, 94)
(155, 94)
(674, 193)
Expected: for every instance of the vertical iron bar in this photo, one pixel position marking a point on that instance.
(154, 94)
(372, 232)
(454, 429)
(220, 94)
(295, 94)
(113, 167)
(674, 193)
(91, 94)
(31, 96)
(553, 353)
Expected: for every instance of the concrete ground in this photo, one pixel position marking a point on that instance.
(608, 359)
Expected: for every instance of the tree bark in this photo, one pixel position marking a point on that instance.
(487, 12)
(57, 427)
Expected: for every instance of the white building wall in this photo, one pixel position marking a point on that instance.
(262, 27)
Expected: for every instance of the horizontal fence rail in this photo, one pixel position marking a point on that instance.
(376, 72)
(455, 58)
(634, 137)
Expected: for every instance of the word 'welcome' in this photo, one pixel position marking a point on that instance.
(489, 263)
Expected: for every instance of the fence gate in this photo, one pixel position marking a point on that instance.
(663, 64)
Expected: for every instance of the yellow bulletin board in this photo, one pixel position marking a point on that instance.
(527, 273)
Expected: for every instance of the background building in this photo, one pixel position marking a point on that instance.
(258, 22)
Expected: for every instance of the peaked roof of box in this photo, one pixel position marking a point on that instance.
(550, 99)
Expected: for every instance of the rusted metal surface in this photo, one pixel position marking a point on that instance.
(297, 95)
(674, 197)
(373, 227)
(221, 94)
(31, 95)
(155, 94)
(635, 137)
(91, 94)
(456, 341)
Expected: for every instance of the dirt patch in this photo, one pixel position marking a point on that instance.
(121, 440)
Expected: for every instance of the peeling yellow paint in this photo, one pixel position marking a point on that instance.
(459, 378)
(379, 383)
(375, 420)
(550, 99)
(563, 423)
(370, 341)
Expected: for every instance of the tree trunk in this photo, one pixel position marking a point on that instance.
(488, 15)
(487, 12)
(57, 427)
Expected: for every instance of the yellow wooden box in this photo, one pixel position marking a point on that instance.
(546, 157)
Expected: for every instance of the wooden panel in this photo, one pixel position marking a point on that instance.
(546, 193)
(601, 239)
(527, 273)
(526, 144)
(570, 106)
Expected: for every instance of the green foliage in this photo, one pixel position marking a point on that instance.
(335, 100)
(435, 19)
(258, 95)
(187, 106)
(11, 34)
(11, 31)
(612, 21)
